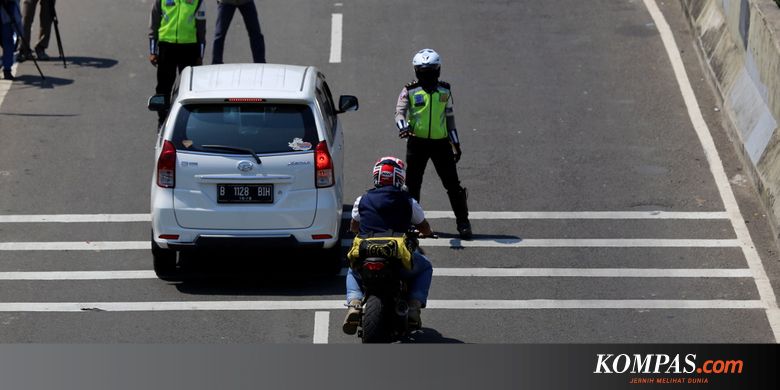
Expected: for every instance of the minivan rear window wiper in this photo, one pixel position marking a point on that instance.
(233, 149)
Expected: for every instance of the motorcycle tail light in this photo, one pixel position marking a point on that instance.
(374, 266)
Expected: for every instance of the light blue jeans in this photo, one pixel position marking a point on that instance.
(418, 279)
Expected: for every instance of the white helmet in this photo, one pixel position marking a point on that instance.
(426, 58)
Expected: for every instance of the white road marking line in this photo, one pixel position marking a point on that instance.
(75, 246)
(73, 218)
(335, 38)
(321, 323)
(763, 285)
(441, 242)
(570, 243)
(77, 275)
(339, 304)
(594, 304)
(593, 272)
(449, 272)
(496, 215)
(475, 215)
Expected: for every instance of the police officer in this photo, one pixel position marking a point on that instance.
(424, 115)
(177, 39)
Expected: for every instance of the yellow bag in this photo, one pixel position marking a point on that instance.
(386, 247)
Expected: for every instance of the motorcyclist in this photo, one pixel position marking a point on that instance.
(389, 207)
(424, 115)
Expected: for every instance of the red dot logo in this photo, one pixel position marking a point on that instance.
(698, 370)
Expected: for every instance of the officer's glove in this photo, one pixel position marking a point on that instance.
(458, 152)
(403, 128)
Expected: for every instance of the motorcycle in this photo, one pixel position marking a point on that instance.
(384, 314)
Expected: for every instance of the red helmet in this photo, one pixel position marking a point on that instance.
(389, 171)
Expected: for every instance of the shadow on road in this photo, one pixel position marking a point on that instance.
(37, 115)
(34, 80)
(91, 62)
(256, 273)
(429, 336)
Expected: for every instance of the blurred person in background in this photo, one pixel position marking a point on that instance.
(225, 11)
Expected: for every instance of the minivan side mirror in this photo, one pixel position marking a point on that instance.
(347, 103)
(157, 103)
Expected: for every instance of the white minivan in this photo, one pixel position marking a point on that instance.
(251, 156)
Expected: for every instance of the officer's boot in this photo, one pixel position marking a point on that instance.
(352, 320)
(413, 316)
(461, 209)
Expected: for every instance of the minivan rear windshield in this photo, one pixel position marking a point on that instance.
(264, 128)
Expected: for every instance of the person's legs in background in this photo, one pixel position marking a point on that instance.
(46, 18)
(256, 39)
(28, 14)
(8, 50)
(224, 17)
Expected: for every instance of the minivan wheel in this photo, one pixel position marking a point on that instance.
(164, 261)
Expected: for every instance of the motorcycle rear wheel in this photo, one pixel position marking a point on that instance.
(375, 322)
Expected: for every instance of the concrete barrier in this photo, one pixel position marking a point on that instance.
(740, 40)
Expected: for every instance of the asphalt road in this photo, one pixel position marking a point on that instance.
(564, 108)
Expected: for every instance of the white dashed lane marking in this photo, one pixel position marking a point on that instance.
(335, 37)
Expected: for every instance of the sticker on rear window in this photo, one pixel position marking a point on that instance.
(299, 144)
(187, 143)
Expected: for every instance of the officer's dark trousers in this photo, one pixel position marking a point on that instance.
(225, 14)
(418, 152)
(172, 58)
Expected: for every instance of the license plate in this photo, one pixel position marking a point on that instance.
(245, 193)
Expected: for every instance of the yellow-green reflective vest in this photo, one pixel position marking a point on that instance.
(177, 24)
(427, 111)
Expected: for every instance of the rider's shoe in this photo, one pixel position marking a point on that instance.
(352, 320)
(413, 317)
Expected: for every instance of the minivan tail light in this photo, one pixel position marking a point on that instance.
(166, 166)
(324, 176)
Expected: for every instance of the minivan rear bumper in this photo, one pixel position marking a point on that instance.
(245, 242)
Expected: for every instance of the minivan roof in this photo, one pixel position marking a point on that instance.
(248, 80)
